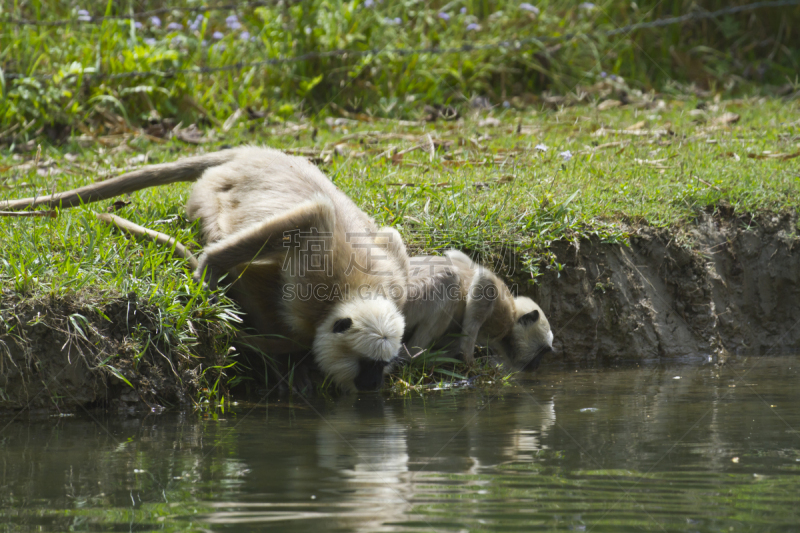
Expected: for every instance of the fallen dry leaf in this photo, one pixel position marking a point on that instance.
(232, 120)
(608, 104)
(638, 126)
(48, 214)
(655, 163)
(116, 206)
(191, 135)
(726, 118)
(782, 157)
(489, 122)
(654, 133)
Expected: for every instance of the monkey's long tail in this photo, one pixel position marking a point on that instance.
(188, 169)
(161, 238)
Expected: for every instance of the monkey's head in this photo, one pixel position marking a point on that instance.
(530, 338)
(358, 341)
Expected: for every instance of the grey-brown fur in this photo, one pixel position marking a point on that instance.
(258, 209)
(453, 304)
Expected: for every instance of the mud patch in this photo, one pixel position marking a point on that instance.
(719, 285)
(60, 353)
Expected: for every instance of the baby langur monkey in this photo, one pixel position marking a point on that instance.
(311, 271)
(453, 304)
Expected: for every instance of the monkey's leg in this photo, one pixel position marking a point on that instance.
(480, 304)
(432, 305)
(267, 238)
(138, 231)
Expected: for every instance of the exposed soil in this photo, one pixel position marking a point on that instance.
(59, 354)
(723, 284)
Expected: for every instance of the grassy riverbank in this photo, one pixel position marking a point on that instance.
(502, 184)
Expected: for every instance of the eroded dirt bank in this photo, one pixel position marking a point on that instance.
(723, 284)
(62, 353)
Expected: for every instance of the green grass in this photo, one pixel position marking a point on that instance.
(55, 78)
(485, 188)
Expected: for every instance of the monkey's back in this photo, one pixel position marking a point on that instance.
(260, 183)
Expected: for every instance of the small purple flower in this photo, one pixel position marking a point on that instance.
(528, 7)
(194, 26)
(588, 6)
(613, 77)
(369, 3)
(392, 22)
(217, 35)
(233, 23)
(174, 26)
(463, 11)
(541, 147)
(149, 41)
(444, 16)
(155, 21)
(221, 47)
(397, 21)
(84, 15)
(138, 25)
(473, 26)
(603, 74)
(506, 104)
(566, 156)
(244, 36)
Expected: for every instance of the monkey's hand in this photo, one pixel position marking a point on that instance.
(207, 272)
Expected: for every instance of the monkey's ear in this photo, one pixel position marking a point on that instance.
(342, 325)
(529, 318)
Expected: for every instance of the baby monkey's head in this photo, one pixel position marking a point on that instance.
(358, 341)
(530, 338)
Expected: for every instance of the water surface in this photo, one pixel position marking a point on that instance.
(654, 448)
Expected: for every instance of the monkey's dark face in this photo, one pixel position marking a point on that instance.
(370, 374)
(529, 340)
(357, 343)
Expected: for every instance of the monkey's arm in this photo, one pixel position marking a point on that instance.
(138, 231)
(480, 304)
(264, 239)
(395, 246)
(188, 169)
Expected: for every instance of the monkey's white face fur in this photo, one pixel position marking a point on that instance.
(358, 341)
(529, 340)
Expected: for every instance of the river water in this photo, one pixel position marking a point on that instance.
(631, 448)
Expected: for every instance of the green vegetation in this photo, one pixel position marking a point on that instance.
(548, 127)
(502, 185)
(60, 77)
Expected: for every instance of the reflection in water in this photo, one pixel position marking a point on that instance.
(680, 448)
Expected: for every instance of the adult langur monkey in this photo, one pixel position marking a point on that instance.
(309, 268)
(454, 303)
